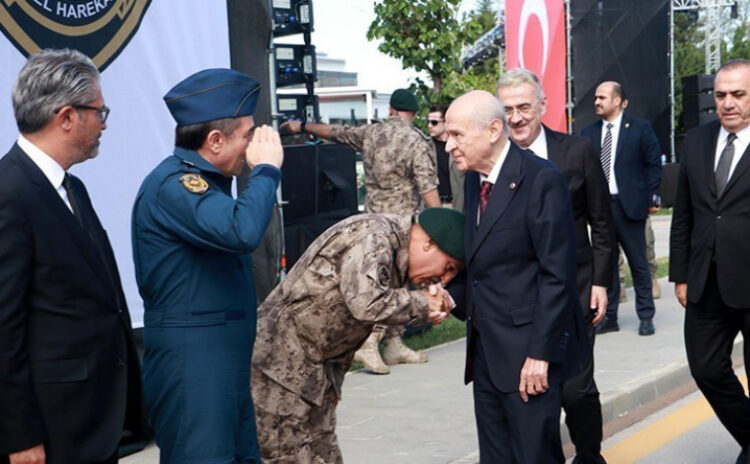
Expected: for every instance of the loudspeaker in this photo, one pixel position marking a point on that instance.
(668, 187)
(697, 83)
(690, 120)
(318, 179)
(698, 102)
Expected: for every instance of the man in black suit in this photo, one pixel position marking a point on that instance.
(709, 253)
(525, 103)
(70, 385)
(631, 159)
(525, 329)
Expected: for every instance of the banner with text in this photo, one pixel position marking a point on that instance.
(535, 40)
(142, 48)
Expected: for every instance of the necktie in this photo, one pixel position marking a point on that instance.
(484, 196)
(68, 184)
(725, 162)
(607, 151)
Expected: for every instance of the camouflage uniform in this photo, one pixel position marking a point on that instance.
(399, 163)
(400, 166)
(309, 328)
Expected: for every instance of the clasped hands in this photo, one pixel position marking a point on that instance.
(440, 304)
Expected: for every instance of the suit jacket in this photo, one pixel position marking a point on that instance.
(589, 194)
(704, 226)
(67, 358)
(637, 163)
(520, 278)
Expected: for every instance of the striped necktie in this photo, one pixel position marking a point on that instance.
(607, 151)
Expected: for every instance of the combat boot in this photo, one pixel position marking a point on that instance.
(395, 352)
(369, 355)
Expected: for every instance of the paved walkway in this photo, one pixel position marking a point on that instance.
(423, 414)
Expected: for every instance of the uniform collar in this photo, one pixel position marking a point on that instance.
(192, 158)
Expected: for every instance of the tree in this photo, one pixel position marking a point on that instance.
(423, 34)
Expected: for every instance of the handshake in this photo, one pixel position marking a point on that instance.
(440, 304)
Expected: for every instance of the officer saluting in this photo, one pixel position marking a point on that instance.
(191, 246)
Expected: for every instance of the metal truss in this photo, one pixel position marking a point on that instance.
(486, 47)
(712, 9)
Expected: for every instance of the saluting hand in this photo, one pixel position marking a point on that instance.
(265, 148)
(33, 455)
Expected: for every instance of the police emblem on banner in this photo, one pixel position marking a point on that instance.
(99, 28)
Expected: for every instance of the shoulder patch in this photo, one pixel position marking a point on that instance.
(194, 183)
(384, 276)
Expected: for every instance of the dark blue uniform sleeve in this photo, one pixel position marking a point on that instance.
(214, 220)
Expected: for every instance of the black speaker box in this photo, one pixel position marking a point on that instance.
(698, 102)
(690, 120)
(697, 83)
(318, 179)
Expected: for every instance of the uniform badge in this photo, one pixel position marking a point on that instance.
(194, 183)
(384, 276)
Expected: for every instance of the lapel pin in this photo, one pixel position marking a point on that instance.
(512, 185)
(627, 124)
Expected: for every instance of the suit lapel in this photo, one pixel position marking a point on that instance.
(621, 136)
(502, 192)
(709, 151)
(556, 149)
(471, 203)
(57, 207)
(740, 169)
(596, 138)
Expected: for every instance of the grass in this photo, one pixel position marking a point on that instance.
(663, 212)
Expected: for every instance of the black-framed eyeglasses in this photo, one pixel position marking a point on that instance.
(434, 122)
(102, 110)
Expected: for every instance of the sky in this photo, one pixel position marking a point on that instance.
(340, 32)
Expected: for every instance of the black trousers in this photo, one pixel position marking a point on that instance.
(710, 329)
(631, 235)
(511, 431)
(580, 396)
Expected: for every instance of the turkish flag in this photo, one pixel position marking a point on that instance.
(535, 40)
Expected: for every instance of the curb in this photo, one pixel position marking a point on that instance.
(630, 396)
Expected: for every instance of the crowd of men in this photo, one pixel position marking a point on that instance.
(494, 218)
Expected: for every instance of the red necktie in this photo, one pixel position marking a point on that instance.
(484, 196)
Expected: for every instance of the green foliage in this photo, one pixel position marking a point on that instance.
(427, 36)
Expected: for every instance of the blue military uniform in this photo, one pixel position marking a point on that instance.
(192, 242)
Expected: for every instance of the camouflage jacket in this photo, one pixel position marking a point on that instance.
(399, 163)
(350, 278)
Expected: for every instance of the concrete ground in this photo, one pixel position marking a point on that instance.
(423, 414)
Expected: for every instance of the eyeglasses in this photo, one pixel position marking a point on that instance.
(103, 111)
(434, 122)
(523, 110)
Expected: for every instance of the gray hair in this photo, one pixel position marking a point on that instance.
(734, 64)
(50, 80)
(518, 76)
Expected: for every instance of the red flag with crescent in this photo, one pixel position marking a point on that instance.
(535, 40)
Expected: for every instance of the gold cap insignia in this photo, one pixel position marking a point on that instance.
(194, 183)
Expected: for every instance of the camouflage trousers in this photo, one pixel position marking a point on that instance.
(292, 430)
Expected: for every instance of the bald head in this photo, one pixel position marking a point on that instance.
(475, 123)
(608, 100)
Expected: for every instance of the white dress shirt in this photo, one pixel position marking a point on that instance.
(616, 127)
(539, 146)
(740, 146)
(52, 171)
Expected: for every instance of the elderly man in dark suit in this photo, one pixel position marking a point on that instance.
(525, 103)
(631, 159)
(526, 332)
(69, 374)
(709, 255)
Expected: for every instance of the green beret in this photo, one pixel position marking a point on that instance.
(403, 100)
(445, 227)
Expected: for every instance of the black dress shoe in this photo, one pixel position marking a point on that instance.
(646, 327)
(607, 325)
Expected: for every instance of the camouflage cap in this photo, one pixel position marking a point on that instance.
(445, 227)
(404, 100)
